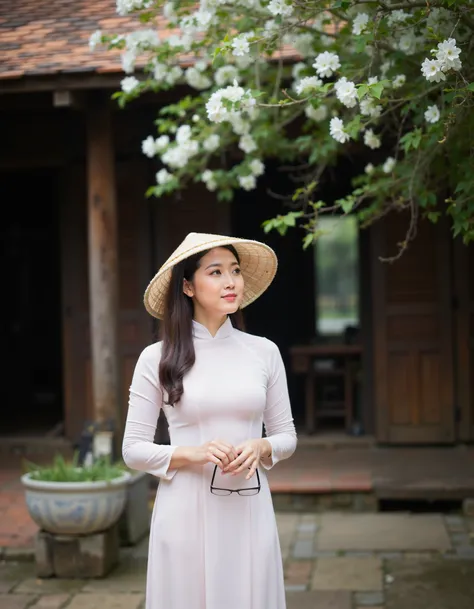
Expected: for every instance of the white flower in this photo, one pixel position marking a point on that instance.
(373, 80)
(183, 134)
(95, 39)
(308, 84)
(148, 147)
(233, 93)
(188, 25)
(168, 11)
(432, 114)
(204, 19)
(196, 79)
(196, 118)
(178, 156)
(360, 24)
(247, 143)
(208, 178)
(160, 71)
(431, 70)
(336, 130)
(448, 55)
(142, 39)
(163, 176)
(389, 165)
(247, 182)
(369, 169)
(217, 112)
(127, 6)
(346, 92)
(280, 7)
(129, 84)
(174, 75)
(244, 61)
(326, 41)
(326, 63)
(271, 28)
(407, 43)
(161, 143)
(304, 43)
(297, 68)
(368, 108)
(240, 46)
(185, 41)
(399, 81)
(239, 126)
(397, 17)
(257, 167)
(211, 143)
(201, 65)
(385, 67)
(128, 61)
(316, 114)
(215, 109)
(226, 74)
(371, 140)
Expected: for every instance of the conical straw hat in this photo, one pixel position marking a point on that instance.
(258, 264)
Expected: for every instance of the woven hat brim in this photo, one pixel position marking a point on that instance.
(258, 264)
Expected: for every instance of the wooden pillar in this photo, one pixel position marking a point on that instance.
(103, 260)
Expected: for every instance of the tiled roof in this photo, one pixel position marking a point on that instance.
(52, 36)
(48, 37)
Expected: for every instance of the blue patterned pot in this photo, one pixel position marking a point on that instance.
(75, 508)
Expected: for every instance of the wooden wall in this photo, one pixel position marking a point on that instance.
(413, 337)
(463, 276)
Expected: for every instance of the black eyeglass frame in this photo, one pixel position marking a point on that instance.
(212, 488)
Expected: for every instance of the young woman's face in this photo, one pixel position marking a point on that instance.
(218, 286)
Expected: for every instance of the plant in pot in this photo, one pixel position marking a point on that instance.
(64, 498)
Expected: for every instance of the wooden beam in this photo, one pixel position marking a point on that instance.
(53, 82)
(103, 260)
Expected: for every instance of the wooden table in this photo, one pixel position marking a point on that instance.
(303, 358)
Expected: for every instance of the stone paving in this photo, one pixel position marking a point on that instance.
(332, 561)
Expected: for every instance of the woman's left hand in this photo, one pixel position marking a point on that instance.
(250, 453)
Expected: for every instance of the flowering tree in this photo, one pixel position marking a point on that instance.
(305, 81)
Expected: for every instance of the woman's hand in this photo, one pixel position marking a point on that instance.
(250, 453)
(217, 451)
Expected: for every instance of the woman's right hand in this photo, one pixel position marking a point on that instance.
(217, 451)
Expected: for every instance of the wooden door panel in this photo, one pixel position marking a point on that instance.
(464, 321)
(412, 335)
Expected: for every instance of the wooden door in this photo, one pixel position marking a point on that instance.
(464, 324)
(134, 272)
(194, 210)
(412, 329)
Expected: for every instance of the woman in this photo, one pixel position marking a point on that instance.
(213, 538)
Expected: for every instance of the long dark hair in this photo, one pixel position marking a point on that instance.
(177, 354)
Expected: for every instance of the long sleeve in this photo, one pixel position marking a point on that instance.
(138, 449)
(277, 416)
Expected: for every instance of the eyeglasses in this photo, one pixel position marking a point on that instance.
(244, 492)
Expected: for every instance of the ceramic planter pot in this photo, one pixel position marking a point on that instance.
(75, 508)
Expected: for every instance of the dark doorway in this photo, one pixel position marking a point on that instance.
(285, 313)
(30, 314)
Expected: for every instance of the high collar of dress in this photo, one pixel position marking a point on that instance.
(202, 333)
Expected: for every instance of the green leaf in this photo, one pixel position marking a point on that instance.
(268, 225)
(470, 86)
(308, 240)
(377, 89)
(362, 90)
(433, 216)
(347, 204)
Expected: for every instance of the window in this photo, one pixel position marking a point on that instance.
(337, 275)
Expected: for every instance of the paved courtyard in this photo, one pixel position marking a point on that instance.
(332, 561)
